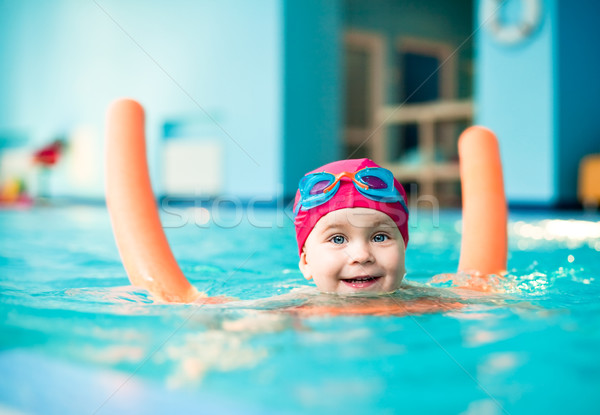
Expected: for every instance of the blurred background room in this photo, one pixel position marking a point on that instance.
(242, 98)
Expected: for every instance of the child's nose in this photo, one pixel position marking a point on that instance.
(360, 252)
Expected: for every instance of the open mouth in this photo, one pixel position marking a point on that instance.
(361, 282)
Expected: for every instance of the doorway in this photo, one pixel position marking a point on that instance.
(364, 54)
(426, 72)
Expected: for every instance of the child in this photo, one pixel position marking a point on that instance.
(352, 228)
(351, 218)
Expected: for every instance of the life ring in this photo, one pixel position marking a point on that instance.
(531, 12)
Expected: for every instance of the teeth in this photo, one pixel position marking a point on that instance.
(362, 279)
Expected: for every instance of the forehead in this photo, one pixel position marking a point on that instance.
(356, 218)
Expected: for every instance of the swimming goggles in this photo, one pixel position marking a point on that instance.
(375, 183)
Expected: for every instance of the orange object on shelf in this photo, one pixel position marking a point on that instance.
(589, 180)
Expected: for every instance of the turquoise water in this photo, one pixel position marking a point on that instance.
(76, 339)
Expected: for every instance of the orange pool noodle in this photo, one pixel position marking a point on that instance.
(142, 243)
(484, 234)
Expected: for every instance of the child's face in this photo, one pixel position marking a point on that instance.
(354, 250)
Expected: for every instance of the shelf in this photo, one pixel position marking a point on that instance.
(432, 112)
(426, 116)
(439, 171)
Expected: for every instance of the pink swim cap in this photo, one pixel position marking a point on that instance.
(348, 196)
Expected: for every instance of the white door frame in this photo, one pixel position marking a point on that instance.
(373, 44)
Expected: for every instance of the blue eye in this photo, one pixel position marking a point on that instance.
(338, 239)
(380, 238)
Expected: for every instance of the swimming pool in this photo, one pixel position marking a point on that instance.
(76, 340)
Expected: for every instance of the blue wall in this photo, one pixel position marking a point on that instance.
(540, 96)
(313, 97)
(63, 62)
(578, 66)
(515, 97)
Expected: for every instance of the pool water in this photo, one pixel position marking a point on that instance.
(75, 338)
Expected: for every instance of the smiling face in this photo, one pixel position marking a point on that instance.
(354, 250)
